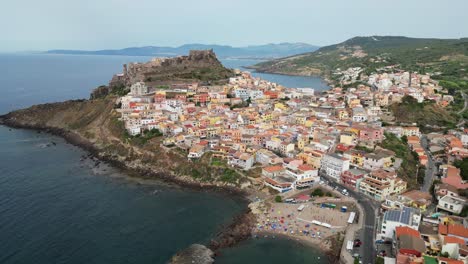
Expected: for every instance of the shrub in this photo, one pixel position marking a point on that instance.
(317, 192)
(278, 199)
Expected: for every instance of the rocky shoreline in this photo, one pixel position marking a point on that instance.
(239, 229)
(77, 140)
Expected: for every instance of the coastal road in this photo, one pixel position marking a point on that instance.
(430, 168)
(367, 234)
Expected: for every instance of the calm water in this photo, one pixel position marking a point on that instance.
(55, 208)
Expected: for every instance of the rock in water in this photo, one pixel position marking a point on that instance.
(194, 254)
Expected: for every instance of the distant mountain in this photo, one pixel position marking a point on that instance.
(222, 51)
(448, 56)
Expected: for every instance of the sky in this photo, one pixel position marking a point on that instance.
(32, 25)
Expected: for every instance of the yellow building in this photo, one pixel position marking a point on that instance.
(280, 106)
(348, 139)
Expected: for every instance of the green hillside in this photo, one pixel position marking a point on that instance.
(449, 57)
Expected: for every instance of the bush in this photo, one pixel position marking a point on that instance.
(278, 199)
(463, 166)
(328, 194)
(317, 192)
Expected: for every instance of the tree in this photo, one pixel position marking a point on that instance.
(317, 192)
(278, 199)
(329, 194)
(404, 139)
(463, 166)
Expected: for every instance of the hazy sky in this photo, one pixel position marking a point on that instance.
(101, 24)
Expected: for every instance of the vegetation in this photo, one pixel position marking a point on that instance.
(141, 139)
(218, 162)
(464, 212)
(205, 74)
(424, 114)
(409, 165)
(463, 166)
(317, 192)
(119, 90)
(446, 56)
(379, 260)
(421, 174)
(278, 199)
(230, 176)
(363, 148)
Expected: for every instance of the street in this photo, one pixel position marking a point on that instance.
(367, 234)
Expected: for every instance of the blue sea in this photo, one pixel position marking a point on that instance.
(56, 207)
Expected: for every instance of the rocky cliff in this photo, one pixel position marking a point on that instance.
(94, 125)
(198, 66)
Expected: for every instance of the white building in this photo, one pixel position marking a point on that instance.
(138, 88)
(334, 165)
(359, 114)
(451, 204)
(307, 91)
(242, 94)
(407, 216)
(305, 175)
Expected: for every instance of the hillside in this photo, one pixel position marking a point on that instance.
(426, 114)
(97, 129)
(199, 66)
(224, 51)
(447, 56)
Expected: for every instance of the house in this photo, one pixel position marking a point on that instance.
(359, 114)
(444, 189)
(352, 177)
(392, 219)
(409, 241)
(275, 178)
(371, 134)
(138, 88)
(273, 171)
(305, 175)
(454, 179)
(196, 151)
(451, 204)
(378, 159)
(355, 157)
(411, 131)
(454, 230)
(333, 165)
(241, 159)
(380, 184)
(266, 157)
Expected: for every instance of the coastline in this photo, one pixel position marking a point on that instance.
(132, 173)
(237, 230)
(325, 249)
(324, 77)
(240, 228)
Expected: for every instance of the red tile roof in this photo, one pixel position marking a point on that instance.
(453, 229)
(404, 230)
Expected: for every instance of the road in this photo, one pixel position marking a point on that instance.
(367, 235)
(430, 168)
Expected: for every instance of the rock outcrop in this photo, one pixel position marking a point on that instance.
(240, 229)
(198, 66)
(194, 254)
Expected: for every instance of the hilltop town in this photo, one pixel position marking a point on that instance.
(292, 140)
(342, 169)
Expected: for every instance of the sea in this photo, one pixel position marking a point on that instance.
(56, 206)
